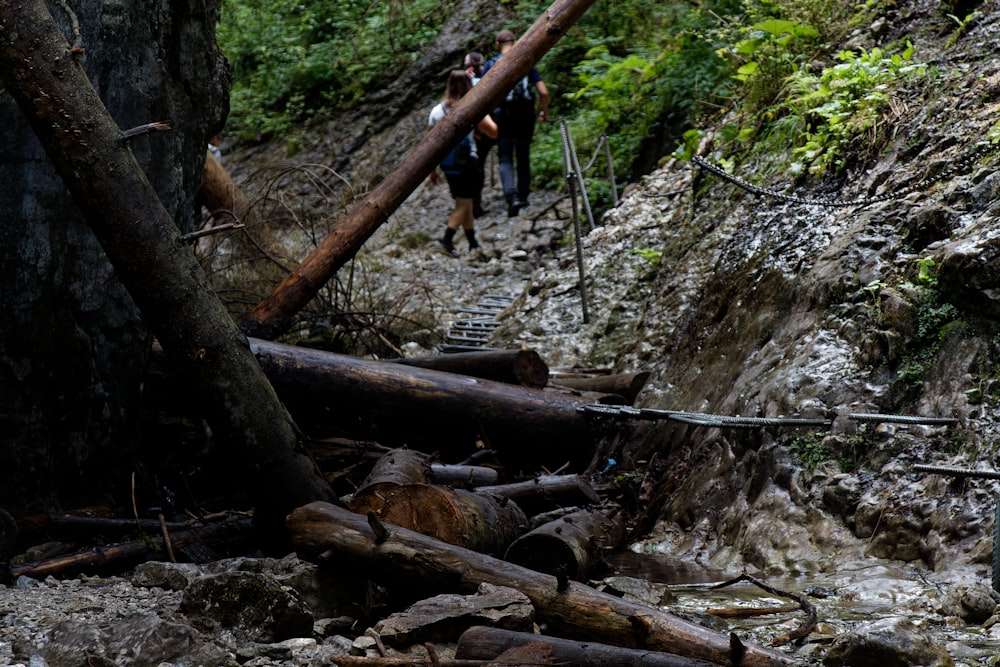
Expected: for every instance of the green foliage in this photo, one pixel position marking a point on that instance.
(842, 103)
(650, 255)
(766, 53)
(935, 320)
(292, 60)
(627, 89)
(809, 451)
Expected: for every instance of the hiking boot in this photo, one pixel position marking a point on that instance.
(515, 207)
(447, 248)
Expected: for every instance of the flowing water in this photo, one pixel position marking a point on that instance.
(858, 592)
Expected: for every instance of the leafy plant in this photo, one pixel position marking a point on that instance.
(292, 59)
(766, 55)
(650, 255)
(831, 109)
(809, 451)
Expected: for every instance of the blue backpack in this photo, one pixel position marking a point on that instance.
(461, 157)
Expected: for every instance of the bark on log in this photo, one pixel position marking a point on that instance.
(572, 546)
(546, 492)
(400, 466)
(160, 273)
(482, 523)
(274, 314)
(463, 476)
(483, 643)
(407, 466)
(574, 611)
(426, 409)
(523, 367)
(626, 385)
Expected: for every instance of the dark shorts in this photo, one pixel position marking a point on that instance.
(464, 185)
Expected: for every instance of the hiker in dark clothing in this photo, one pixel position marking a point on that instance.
(484, 144)
(515, 118)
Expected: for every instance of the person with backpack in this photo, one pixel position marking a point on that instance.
(474, 68)
(515, 118)
(460, 165)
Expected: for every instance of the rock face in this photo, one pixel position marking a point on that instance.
(72, 341)
(745, 305)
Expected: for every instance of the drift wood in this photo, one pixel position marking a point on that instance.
(626, 385)
(573, 545)
(546, 492)
(232, 531)
(485, 643)
(424, 408)
(522, 367)
(577, 611)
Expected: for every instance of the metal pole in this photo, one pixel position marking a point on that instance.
(579, 179)
(611, 170)
(571, 183)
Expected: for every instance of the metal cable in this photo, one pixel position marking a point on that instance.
(956, 471)
(834, 202)
(903, 419)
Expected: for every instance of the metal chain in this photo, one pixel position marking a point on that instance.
(961, 165)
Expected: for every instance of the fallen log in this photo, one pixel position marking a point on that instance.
(481, 523)
(522, 367)
(483, 643)
(572, 610)
(626, 385)
(463, 476)
(339, 397)
(572, 546)
(426, 409)
(546, 492)
(233, 531)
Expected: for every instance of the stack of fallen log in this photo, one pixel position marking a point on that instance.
(478, 505)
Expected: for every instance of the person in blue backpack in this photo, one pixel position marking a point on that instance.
(461, 165)
(515, 118)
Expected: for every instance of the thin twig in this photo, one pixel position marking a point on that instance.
(166, 539)
(217, 229)
(798, 633)
(159, 126)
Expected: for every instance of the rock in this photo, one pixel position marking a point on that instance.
(638, 590)
(444, 617)
(140, 641)
(249, 606)
(168, 576)
(888, 642)
(973, 603)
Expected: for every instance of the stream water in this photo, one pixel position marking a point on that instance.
(858, 592)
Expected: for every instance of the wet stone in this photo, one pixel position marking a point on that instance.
(888, 642)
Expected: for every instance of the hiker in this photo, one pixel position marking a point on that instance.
(474, 68)
(515, 119)
(461, 165)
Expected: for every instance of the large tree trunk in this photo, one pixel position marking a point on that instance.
(72, 342)
(160, 273)
(273, 315)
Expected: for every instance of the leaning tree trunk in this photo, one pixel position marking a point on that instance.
(273, 315)
(47, 81)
